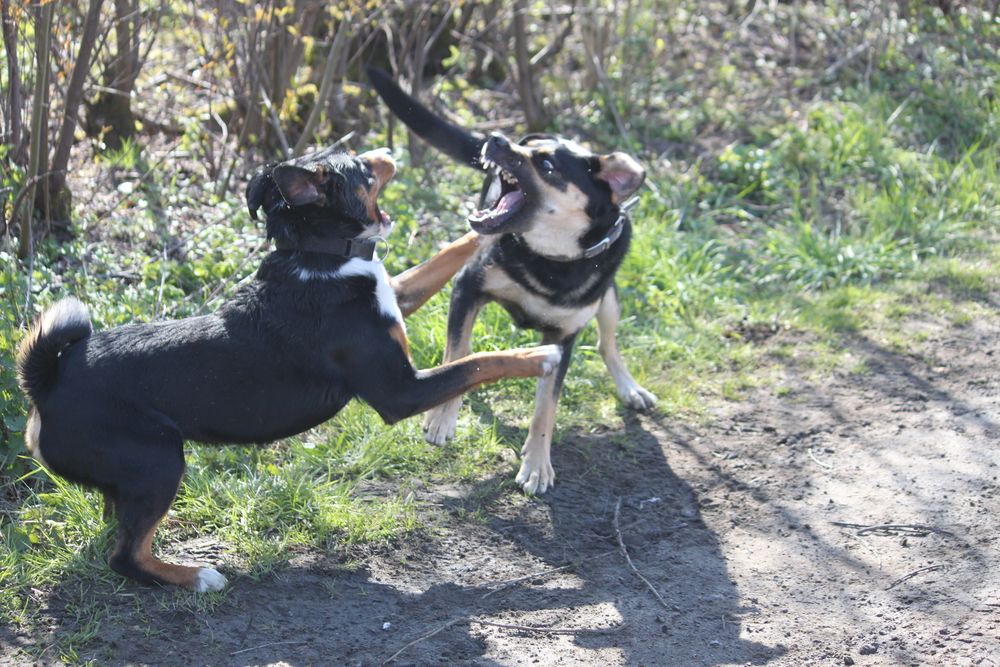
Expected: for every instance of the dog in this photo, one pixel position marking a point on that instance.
(554, 234)
(321, 323)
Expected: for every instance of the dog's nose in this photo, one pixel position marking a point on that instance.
(497, 141)
(381, 162)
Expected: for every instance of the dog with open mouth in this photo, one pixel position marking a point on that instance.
(554, 233)
(321, 323)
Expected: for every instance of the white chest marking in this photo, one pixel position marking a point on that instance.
(570, 320)
(385, 297)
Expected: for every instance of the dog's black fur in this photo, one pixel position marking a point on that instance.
(555, 234)
(313, 330)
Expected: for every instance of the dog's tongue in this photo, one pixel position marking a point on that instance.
(509, 201)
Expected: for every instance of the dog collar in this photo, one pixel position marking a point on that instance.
(361, 248)
(605, 243)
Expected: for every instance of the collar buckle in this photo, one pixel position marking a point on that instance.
(597, 249)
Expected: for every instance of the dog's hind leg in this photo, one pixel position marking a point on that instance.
(630, 392)
(536, 474)
(415, 286)
(466, 302)
(140, 503)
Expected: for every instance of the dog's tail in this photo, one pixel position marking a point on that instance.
(37, 356)
(455, 142)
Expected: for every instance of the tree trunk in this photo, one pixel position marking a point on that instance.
(43, 39)
(111, 113)
(61, 197)
(332, 70)
(14, 130)
(527, 88)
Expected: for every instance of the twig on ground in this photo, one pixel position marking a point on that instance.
(424, 637)
(829, 466)
(551, 631)
(628, 559)
(929, 568)
(894, 529)
(254, 648)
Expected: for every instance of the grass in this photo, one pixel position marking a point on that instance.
(875, 206)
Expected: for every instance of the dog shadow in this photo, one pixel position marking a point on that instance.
(616, 489)
(491, 556)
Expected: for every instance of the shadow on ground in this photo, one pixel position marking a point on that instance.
(488, 556)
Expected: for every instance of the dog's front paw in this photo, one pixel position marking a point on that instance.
(637, 398)
(209, 580)
(536, 475)
(439, 424)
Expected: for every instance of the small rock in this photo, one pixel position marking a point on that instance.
(869, 649)
(848, 660)
(386, 625)
(715, 642)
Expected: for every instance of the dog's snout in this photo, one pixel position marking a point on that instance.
(498, 142)
(499, 149)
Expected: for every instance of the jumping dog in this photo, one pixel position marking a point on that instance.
(321, 323)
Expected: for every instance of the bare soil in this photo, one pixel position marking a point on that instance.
(849, 520)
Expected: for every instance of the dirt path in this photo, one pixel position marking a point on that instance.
(735, 523)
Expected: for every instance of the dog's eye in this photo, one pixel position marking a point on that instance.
(548, 167)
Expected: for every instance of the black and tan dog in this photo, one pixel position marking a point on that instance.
(554, 234)
(320, 324)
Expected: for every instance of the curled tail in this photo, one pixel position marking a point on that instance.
(37, 356)
(455, 142)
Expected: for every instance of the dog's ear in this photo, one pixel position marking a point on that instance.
(622, 173)
(297, 185)
(256, 189)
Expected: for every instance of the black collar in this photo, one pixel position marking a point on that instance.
(609, 238)
(363, 248)
(593, 251)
